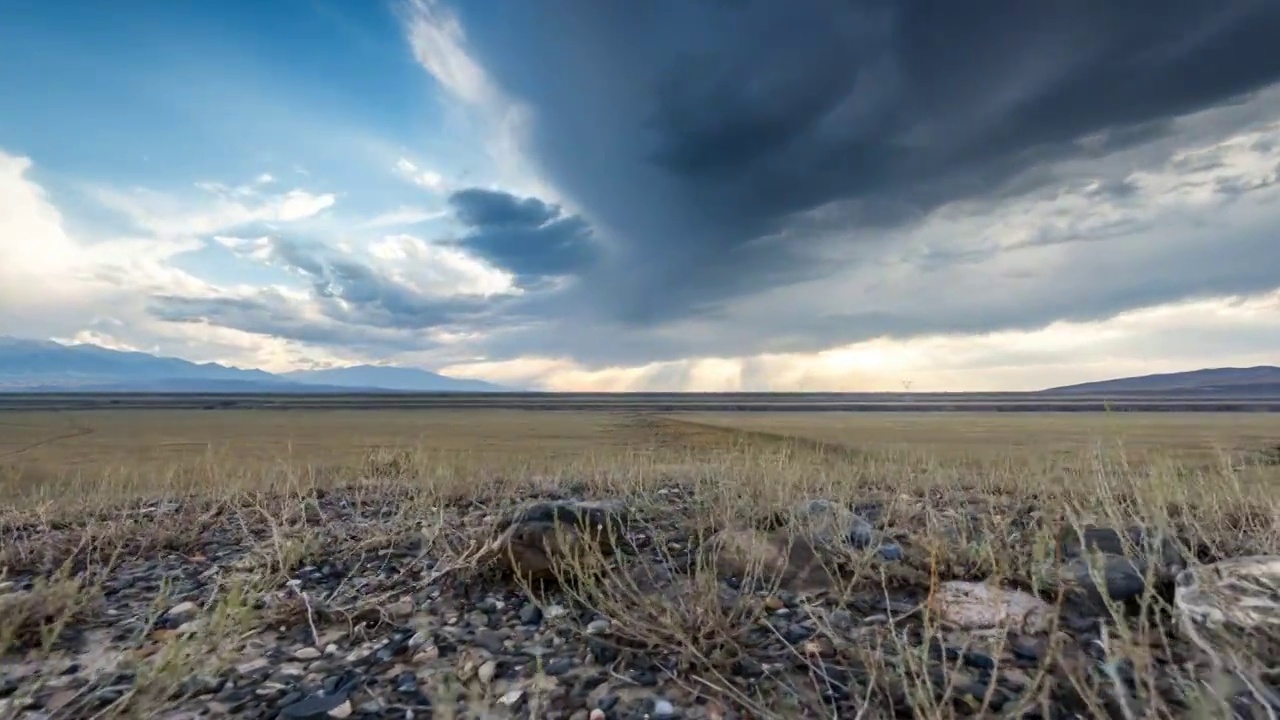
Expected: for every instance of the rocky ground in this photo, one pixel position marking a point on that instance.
(376, 602)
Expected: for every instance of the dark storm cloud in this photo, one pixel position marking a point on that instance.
(711, 138)
(523, 235)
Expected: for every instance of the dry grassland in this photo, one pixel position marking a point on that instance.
(348, 532)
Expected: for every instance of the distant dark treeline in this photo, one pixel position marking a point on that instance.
(647, 402)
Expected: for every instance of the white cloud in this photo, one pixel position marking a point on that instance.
(403, 216)
(497, 122)
(438, 44)
(427, 179)
(31, 236)
(428, 269)
(218, 208)
(54, 285)
(439, 271)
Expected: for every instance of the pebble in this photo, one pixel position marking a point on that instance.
(183, 611)
(426, 654)
(519, 650)
(359, 654)
(490, 640)
(402, 608)
(531, 614)
(557, 667)
(890, 551)
(253, 667)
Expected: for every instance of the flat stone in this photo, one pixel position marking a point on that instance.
(253, 667)
(981, 606)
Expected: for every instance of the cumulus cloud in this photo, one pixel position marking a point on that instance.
(127, 291)
(776, 177)
(405, 286)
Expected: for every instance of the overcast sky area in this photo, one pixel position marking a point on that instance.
(660, 195)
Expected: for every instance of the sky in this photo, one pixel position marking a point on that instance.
(671, 195)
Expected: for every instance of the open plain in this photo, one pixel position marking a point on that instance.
(361, 562)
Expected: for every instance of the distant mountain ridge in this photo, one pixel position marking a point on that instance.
(46, 366)
(399, 378)
(1258, 380)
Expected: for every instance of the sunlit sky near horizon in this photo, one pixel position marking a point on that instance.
(670, 195)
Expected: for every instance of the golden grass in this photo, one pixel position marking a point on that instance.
(72, 483)
(1191, 436)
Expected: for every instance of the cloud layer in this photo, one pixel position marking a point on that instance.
(767, 170)
(722, 194)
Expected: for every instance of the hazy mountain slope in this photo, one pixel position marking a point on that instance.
(396, 378)
(38, 365)
(1263, 379)
(194, 386)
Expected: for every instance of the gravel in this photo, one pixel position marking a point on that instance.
(374, 620)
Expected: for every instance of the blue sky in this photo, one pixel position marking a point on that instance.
(580, 195)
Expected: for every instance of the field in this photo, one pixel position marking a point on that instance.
(339, 561)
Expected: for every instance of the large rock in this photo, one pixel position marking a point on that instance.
(1097, 561)
(983, 606)
(1152, 546)
(776, 557)
(547, 540)
(1107, 576)
(1231, 602)
(1231, 610)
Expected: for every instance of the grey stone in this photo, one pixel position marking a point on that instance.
(1122, 578)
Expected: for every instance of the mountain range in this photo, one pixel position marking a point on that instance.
(45, 366)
